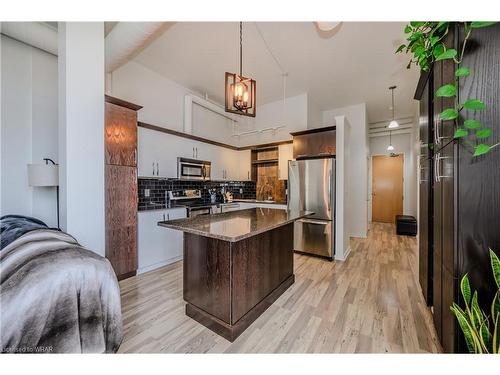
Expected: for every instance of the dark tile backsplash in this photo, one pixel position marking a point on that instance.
(158, 187)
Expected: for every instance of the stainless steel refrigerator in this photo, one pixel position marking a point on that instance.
(311, 187)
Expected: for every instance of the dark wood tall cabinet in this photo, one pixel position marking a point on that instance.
(426, 212)
(121, 196)
(459, 193)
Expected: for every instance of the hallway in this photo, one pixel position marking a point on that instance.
(372, 303)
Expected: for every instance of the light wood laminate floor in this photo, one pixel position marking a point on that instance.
(371, 303)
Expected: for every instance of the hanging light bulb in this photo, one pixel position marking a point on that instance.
(393, 124)
(390, 147)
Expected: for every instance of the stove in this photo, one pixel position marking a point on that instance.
(191, 199)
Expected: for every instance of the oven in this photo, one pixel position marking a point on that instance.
(193, 169)
(197, 211)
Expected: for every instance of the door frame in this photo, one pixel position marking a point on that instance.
(370, 181)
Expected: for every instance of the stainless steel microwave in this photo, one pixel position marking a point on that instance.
(193, 169)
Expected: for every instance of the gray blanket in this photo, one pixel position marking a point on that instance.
(56, 296)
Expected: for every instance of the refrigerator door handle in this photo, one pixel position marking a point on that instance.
(316, 222)
(329, 190)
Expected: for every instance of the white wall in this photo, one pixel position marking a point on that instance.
(342, 189)
(403, 143)
(161, 98)
(314, 114)
(81, 131)
(163, 105)
(163, 102)
(212, 125)
(358, 205)
(29, 127)
(271, 115)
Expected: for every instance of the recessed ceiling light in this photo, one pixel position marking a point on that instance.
(327, 26)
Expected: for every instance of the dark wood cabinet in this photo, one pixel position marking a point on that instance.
(459, 204)
(314, 142)
(121, 218)
(444, 232)
(425, 187)
(120, 135)
(121, 194)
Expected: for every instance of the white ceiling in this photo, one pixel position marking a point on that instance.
(357, 64)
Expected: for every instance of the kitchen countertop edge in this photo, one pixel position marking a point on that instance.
(171, 225)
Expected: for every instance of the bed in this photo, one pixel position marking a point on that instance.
(55, 295)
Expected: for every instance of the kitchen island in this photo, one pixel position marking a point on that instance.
(236, 264)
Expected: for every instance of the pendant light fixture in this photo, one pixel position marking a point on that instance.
(390, 147)
(393, 124)
(240, 91)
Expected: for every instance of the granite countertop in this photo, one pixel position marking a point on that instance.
(257, 201)
(236, 225)
(161, 206)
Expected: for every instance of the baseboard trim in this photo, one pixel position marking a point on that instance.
(359, 235)
(158, 265)
(347, 252)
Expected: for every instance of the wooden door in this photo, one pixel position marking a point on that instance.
(121, 219)
(120, 135)
(387, 188)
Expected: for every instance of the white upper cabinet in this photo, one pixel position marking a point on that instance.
(158, 153)
(153, 159)
(285, 154)
(245, 166)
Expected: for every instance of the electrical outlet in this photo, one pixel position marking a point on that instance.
(146, 192)
(241, 191)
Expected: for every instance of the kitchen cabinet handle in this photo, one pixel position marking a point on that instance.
(435, 167)
(196, 152)
(153, 168)
(436, 133)
(135, 156)
(163, 217)
(439, 176)
(168, 216)
(157, 169)
(421, 179)
(248, 175)
(193, 152)
(437, 136)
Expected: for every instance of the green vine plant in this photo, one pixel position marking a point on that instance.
(481, 331)
(425, 42)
